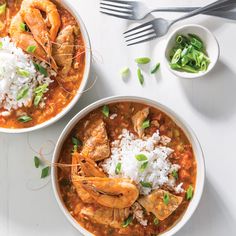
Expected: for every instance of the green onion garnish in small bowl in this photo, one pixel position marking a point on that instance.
(191, 52)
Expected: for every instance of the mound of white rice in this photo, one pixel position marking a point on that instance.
(158, 170)
(13, 59)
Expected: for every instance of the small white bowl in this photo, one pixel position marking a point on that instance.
(179, 121)
(208, 38)
(73, 11)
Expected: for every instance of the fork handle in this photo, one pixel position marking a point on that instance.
(215, 5)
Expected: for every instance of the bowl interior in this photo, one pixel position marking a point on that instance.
(87, 44)
(211, 44)
(181, 123)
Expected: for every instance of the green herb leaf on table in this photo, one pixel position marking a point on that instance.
(24, 119)
(45, 172)
(141, 157)
(105, 111)
(127, 221)
(155, 68)
(140, 76)
(142, 60)
(118, 168)
(146, 184)
(125, 72)
(189, 192)
(37, 162)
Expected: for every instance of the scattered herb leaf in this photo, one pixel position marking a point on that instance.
(23, 92)
(31, 49)
(166, 198)
(41, 69)
(175, 174)
(189, 192)
(156, 221)
(125, 72)
(141, 157)
(105, 111)
(140, 76)
(45, 172)
(143, 166)
(155, 68)
(24, 119)
(118, 168)
(127, 221)
(37, 162)
(142, 60)
(146, 184)
(146, 124)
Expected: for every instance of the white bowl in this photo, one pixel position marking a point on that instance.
(85, 36)
(210, 41)
(179, 121)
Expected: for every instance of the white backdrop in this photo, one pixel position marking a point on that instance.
(207, 104)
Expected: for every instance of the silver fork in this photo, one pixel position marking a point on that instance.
(136, 10)
(159, 27)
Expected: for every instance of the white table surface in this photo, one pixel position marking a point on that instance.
(207, 104)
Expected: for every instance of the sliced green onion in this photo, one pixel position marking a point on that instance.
(156, 221)
(41, 69)
(146, 184)
(175, 174)
(189, 69)
(141, 157)
(41, 88)
(23, 92)
(76, 141)
(143, 166)
(142, 60)
(23, 26)
(37, 99)
(37, 162)
(22, 72)
(127, 221)
(118, 168)
(31, 49)
(125, 72)
(189, 193)
(3, 8)
(197, 44)
(166, 198)
(106, 111)
(155, 68)
(1, 44)
(176, 56)
(146, 124)
(203, 66)
(24, 119)
(45, 172)
(140, 76)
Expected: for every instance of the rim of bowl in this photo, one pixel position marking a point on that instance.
(199, 156)
(186, 75)
(83, 84)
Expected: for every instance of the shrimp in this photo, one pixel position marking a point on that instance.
(92, 184)
(30, 12)
(138, 120)
(24, 39)
(110, 192)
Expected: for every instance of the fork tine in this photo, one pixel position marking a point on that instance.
(129, 35)
(107, 3)
(139, 27)
(140, 36)
(115, 10)
(115, 15)
(142, 41)
(119, 2)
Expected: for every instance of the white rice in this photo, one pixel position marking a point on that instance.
(11, 59)
(159, 168)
